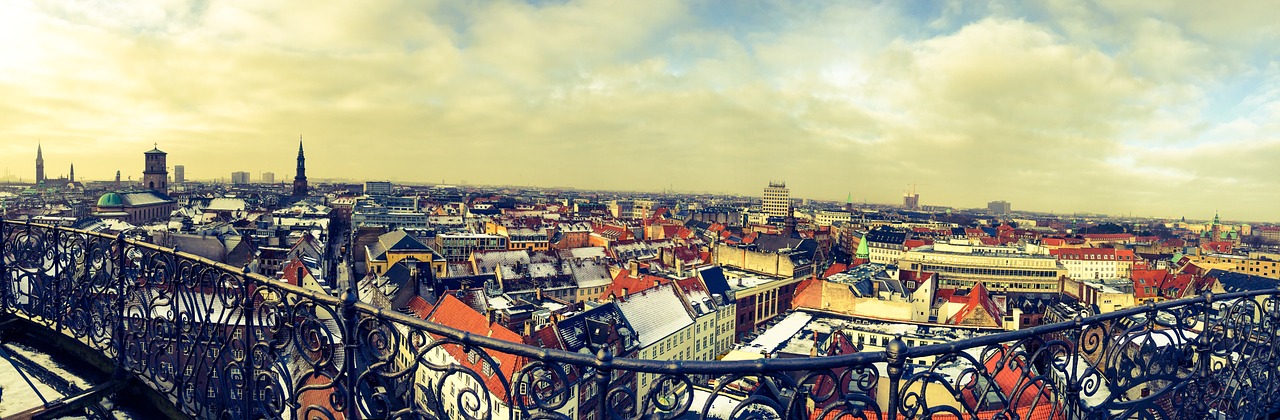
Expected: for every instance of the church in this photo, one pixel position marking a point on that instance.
(150, 203)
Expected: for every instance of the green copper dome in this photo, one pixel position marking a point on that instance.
(110, 200)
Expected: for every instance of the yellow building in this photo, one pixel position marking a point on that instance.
(397, 245)
(1262, 264)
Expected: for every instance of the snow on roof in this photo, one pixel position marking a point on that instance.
(773, 338)
(588, 252)
(655, 313)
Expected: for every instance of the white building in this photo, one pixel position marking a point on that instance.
(663, 327)
(776, 200)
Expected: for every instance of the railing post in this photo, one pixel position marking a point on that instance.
(350, 321)
(117, 336)
(247, 374)
(604, 375)
(896, 354)
(7, 279)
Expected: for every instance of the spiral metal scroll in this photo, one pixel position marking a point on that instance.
(223, 343)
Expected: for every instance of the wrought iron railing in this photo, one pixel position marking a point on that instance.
(221, 342)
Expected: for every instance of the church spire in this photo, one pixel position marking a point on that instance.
(39, 164)
(300, 179)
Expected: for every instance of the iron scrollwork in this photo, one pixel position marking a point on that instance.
(218, 341)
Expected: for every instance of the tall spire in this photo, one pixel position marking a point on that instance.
(300, 179)
(39, 164)
(73, 172)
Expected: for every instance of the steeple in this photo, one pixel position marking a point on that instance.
(73, 172)
(39, 164)
(300, 180)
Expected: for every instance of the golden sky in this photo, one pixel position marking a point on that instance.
(1156, 108)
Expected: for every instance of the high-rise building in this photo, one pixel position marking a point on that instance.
(911, 199)
(377, 188)
(776, 200)
(268, 177)
(156, 175)
(39, 165)
(179, 174)
(300, 180)
(999, 207)
(239, 178)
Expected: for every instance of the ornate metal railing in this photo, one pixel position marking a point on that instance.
(219, 342)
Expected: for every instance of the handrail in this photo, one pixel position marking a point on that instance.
(219, 340)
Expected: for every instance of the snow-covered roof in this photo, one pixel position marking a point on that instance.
(655, 313)
(773, 338)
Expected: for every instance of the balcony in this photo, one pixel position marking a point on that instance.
(216, 341)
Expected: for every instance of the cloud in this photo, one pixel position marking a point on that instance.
(1065, 106)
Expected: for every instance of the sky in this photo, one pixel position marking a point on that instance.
(1167, 109)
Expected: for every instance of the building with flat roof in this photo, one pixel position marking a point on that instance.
(776, 201)
(1003, 269)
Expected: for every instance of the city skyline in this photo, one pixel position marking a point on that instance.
(1168, 110)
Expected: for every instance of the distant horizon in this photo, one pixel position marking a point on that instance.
(316, 180)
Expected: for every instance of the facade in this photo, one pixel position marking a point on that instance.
(1002, 269)
(240, 178)
(912, 201)
(155, 176)
(179, 174)
(268, 177)
(999, 207)
(776, 201)
(1261, 264)
(459, 246)
(393, 247)
(663, 327)
(1268, 233)
(1096, 263)
(885, 245)
(300, 179)
(377, 188)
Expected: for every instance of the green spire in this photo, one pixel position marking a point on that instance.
(863, 252)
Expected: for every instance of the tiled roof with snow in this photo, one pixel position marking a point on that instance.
(655, 313)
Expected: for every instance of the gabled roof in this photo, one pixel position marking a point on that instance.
(573, 330)
(453, 313)
(978, 300)
(655, 313)
(399, 240)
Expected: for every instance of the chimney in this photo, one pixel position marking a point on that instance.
(634, 268)
(813, 351)
(528, 328)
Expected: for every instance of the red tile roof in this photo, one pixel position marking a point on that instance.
(624, 284)
(977, 300)
(452, 312)
(420, 307)
(291, 272)
(808, 294)
(834, 269)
